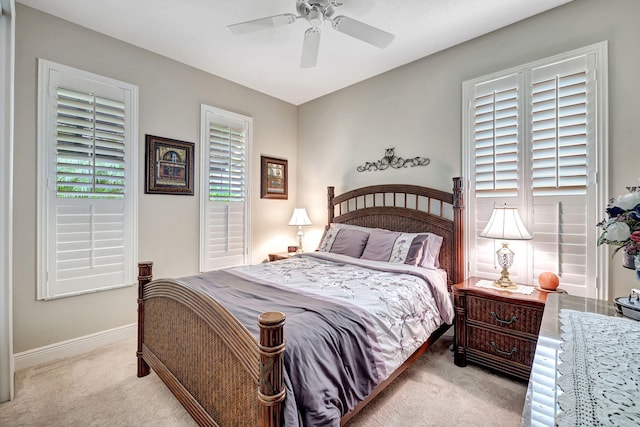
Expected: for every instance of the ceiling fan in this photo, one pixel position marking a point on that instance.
(316, 12)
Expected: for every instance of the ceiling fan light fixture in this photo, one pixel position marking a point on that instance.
(315, 17)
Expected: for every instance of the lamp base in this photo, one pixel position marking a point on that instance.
(505, 260)
(300, 236)
(504, 282)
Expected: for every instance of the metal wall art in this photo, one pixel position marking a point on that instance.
(390, 159)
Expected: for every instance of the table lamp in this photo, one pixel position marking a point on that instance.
(505, 224)
(300, 218)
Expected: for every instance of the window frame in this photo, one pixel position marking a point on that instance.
(7, 74)
(46, 289)
(246, 122)
(597, 177)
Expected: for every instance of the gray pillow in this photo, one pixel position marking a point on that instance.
(379, 245)
(331, 232)
(349, 242)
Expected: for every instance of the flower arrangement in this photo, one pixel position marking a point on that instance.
(622, 227)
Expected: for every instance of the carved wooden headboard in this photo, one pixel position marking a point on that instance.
(410, 209)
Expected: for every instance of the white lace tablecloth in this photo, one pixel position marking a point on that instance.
(599, 370)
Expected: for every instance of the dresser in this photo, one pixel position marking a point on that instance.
(496, 328)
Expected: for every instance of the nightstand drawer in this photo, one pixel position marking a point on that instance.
(513, 317)
(280, 255)
(496, 328)
(503, 346)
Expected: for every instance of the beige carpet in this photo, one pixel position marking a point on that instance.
(100, 388)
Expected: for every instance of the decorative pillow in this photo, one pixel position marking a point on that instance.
(417, 250)
(330, 234)
(327, 239)
(420, 249)
(380, 245)
(349, 242)
(408, 248)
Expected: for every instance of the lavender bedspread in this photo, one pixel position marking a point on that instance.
(350, 323)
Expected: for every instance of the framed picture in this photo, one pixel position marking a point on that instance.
(273, 183)
(168, 166)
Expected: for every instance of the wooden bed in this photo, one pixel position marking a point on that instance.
(218, 371)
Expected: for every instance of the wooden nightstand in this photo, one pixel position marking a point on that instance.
(495, 328)
(280, 255)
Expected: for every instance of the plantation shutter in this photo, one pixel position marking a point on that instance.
(225, 236)
(559, 128)
(88, 219)
(227, 163)
(495, 137)
(562, 130)
(531, 141)
(496, 133)
(90, 158)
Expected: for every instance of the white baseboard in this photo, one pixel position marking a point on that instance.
(73, 347)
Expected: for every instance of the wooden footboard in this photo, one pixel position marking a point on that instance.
(209, 361)
(212, 364)
(218, 370)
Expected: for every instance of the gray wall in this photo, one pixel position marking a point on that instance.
(417, 108)
(170, 95)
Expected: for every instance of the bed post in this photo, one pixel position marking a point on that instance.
(458, 235)
(145, 275)
(330, 209)
(271, 391)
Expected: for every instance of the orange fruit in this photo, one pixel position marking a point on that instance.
(548, 281)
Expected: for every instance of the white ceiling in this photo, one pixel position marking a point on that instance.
(194, 32)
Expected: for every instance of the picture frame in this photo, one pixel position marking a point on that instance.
(274, 178)
(168, 166)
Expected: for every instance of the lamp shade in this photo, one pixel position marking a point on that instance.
(505, 224)
(299, 217)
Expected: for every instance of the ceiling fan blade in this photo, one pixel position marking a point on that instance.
(310, 48)
(262, 23)
(362, 31)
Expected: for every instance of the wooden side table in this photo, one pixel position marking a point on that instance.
(496, 328)
(280, 255)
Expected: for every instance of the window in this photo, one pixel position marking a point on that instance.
(225, 140)
(87, 139)
(535, 138)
